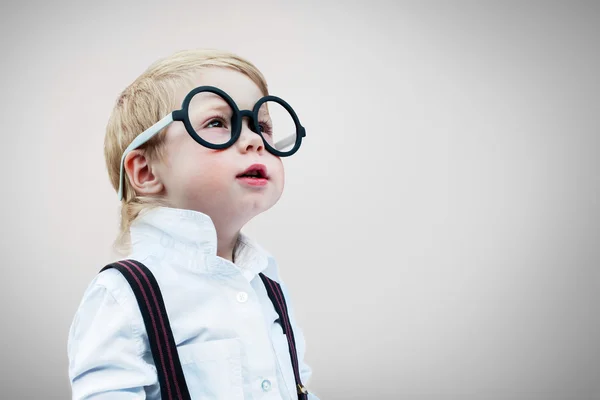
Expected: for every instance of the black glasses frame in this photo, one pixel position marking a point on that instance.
(236, 121)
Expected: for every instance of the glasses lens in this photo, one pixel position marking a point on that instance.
(210, 116)
(277, 126)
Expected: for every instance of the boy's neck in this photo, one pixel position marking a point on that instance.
(226, 244)
(228, 229)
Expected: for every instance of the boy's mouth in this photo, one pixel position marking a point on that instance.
(255, 175)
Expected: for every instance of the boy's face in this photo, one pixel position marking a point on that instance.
(206, 180)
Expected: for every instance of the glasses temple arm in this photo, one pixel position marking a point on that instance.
(285, 142)
(137, 142)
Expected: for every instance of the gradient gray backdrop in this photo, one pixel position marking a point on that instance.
(439, 229)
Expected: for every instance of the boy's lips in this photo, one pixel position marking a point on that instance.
(255, 171)
(254, 175)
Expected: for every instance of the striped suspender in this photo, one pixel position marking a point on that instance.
(162, 344)
(276, 296)
(160, 336)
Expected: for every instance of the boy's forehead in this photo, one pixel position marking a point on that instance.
(237, 85)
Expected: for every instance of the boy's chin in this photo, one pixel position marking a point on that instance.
(236, 212)
(251, 208)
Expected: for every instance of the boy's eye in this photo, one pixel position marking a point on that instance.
(265, 127)
(215, 123)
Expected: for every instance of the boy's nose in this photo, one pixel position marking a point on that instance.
(249, 140)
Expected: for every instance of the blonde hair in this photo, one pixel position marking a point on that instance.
(143, 103)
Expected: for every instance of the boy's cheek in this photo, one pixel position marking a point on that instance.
(278, 166)
(280, 182)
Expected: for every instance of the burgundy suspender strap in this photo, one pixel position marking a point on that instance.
(276, 295)
(164, 351)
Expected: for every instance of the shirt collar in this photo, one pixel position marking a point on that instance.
(188, 239)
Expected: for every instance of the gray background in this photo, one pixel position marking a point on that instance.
(439, 228)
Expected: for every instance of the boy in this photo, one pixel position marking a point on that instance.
(194, 152)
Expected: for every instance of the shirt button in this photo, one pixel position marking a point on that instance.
(242, 297)
(266, 385)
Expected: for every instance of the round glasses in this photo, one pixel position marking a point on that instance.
(213, 120)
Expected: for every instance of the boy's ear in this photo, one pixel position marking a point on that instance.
(139, 170)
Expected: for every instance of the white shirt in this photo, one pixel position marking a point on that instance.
(223, 322)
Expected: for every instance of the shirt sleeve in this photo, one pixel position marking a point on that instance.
(106, 347)
(305, 369)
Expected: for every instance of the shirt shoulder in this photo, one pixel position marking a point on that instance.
(107, 301)
(107, 342)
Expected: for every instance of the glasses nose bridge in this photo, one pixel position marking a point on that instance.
(247, 114)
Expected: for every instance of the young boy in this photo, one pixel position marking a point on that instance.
(194, 151)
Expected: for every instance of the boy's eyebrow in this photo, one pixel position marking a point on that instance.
(264, 116)
(210, 102)
(264, 111)
(212, 95)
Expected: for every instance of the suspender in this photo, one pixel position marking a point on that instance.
(162, 344)
(276, 296)
(160, 336)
